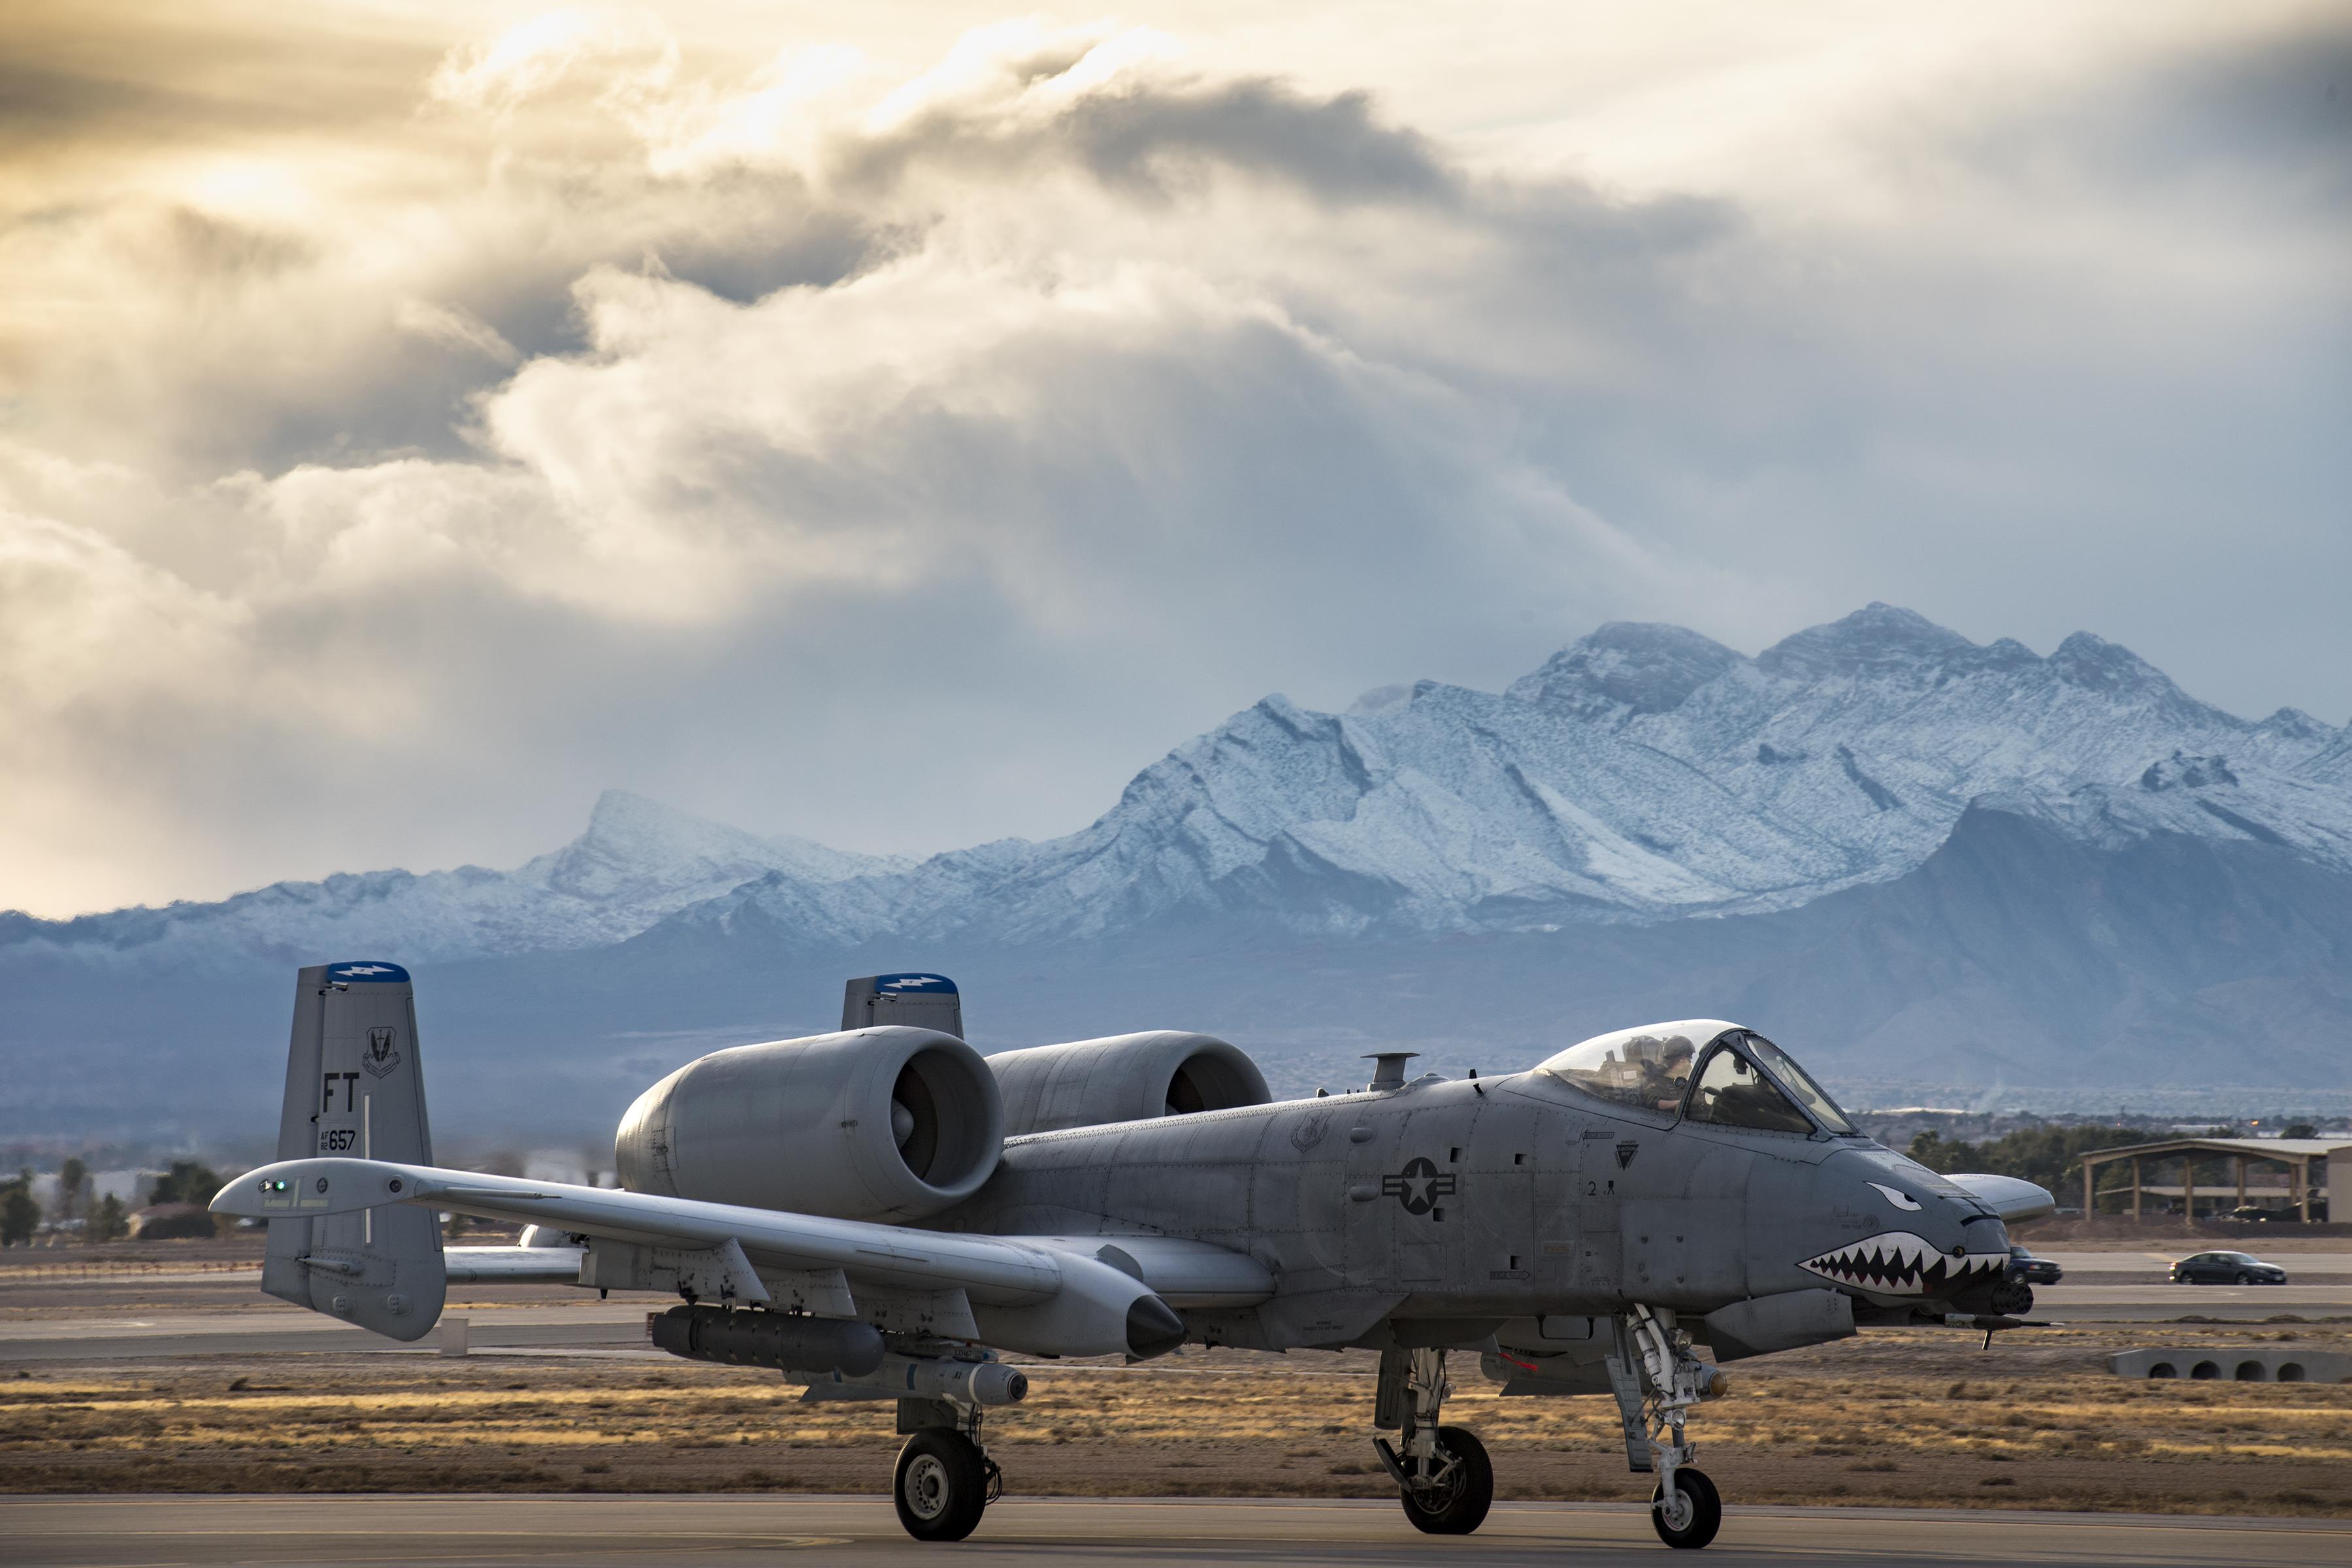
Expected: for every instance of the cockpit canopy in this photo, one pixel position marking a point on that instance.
(1741, 1079)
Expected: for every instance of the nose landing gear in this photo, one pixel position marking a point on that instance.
(1658, 1381)
(1443, 1475)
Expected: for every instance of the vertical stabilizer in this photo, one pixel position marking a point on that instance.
(926, 1001)
(355, 1086)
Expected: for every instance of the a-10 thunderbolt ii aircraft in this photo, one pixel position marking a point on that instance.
(877, 1213)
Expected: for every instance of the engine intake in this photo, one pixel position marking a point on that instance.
(1123, 1078)
(882, 1123)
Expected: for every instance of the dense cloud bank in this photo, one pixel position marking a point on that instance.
(898, 457)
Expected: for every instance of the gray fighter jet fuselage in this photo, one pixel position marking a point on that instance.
(877, 1213)
(1485, 1200)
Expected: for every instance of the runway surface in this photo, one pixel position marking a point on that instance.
(268, 1325)
(2103, 1303)
(2100, 1287)
(1084, 1533)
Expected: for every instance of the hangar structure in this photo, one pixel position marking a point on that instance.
(2315, 1170)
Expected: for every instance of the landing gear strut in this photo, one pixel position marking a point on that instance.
(944, 1480)
(1657, 1380)
(1443, 1475)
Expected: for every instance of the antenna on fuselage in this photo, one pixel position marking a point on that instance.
(1388, 1069)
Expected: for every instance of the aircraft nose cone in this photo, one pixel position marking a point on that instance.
(1152, 1328)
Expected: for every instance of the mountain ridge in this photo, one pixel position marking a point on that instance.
(636, 861)
(1643, 772)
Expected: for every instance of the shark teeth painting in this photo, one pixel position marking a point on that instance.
(1897, 1263)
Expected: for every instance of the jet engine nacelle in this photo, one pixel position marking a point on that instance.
(1124, 1078)
(888, 1123)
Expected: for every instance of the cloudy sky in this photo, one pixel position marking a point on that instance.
(896, 424)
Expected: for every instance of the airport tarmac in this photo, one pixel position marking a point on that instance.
(230, 1323)
(266, 1325)
(589, 1324)
(2102, 1303)
(553, 1531)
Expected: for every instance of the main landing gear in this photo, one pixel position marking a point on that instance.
(1657, 1380)
(945, 1480)
(1443, 1475)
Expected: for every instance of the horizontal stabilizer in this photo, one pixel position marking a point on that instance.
(315, 1187)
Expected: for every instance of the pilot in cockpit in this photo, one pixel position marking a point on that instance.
(1672, 1074)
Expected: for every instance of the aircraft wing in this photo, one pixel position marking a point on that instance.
(2011, 1197)
(1053, 1294)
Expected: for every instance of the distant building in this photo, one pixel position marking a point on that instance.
(2299, 1176)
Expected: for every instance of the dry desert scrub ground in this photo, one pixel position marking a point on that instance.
(1918, 1419)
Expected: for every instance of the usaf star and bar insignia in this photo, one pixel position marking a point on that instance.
(1419, 1186)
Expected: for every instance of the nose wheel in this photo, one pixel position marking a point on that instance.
(1692, 1514)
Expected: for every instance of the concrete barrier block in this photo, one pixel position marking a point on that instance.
(2234, 1363)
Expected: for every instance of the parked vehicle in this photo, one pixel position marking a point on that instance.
(2227, 1269)
(2033, 1270)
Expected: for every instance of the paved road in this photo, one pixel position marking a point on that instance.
(2155, 1259)
(1082, 1533)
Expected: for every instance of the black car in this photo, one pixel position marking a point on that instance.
(2227, 1269)
(2023, 1265)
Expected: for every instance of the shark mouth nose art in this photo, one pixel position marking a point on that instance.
(1897, 1263)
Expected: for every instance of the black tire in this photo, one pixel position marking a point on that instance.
(1461, 1506)
(941, 1486)
(1705, 1514)
(2244, 1279)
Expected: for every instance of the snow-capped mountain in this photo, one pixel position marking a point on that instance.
(639, 861)
(1644, 773)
